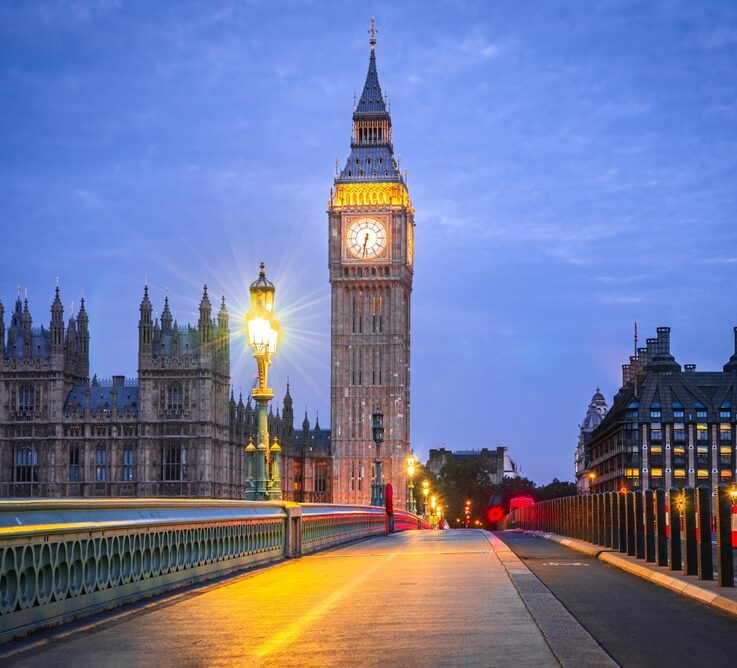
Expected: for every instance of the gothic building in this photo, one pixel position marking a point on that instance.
(176, 430)
(667, 427)
(370, 251)
(594, 415)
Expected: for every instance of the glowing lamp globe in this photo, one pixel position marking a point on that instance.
(263, 329)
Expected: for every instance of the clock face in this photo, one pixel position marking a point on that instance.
(366, 238)
(410, 243)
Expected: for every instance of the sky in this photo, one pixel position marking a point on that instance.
(572, 165)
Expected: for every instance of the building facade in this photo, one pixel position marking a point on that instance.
(370, 250)
(498, 461)
(175, 430)
(594, 415)
(667, 427)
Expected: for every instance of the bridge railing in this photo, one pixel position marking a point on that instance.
(62, 559)
(672, 529)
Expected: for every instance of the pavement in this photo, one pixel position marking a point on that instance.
(707, 592)
(418, 598)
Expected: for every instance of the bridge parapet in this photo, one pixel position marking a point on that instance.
(63, 559)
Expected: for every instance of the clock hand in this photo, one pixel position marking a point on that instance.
(365, 241)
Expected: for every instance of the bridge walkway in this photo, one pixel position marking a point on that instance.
(417, 598)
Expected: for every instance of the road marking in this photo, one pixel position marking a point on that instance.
(288, 634)
(565, 563)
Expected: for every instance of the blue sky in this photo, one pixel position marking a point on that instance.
(572, 164)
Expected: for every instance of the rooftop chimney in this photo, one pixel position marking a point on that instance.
(118, 381)
(663, 361)
(732, 364)
(651, 349)
(689, 368)
(626, 374)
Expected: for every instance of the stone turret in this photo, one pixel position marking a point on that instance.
(204, 324)
(57, 326)
(145, 329)
(83, 339)
(732, 364)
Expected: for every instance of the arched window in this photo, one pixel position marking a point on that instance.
(27, 398)
(174, 397)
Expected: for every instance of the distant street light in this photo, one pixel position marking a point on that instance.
(411, 483)
(377, 428)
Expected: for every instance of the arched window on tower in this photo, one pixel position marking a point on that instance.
(174, 397)
(27, 398)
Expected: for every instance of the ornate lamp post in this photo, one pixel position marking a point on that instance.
(425, 492)
(263, 338)
(377, 428)
(411, 483)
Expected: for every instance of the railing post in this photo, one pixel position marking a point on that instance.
(594, 518)
(661, 540)
(613, 521)
(630, 523)
(602, 519)
(649, 526)
(725, 557)
(689, 521)
(639, 526)
(607, 519)
(622, 520)
(674, 553)
(703, 523)
(590, 521)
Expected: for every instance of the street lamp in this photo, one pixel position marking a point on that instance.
(263, 337)
(433, 504)
(411, 483)
(425, 492)
(377, 428)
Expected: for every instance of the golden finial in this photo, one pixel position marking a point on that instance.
(372, 31)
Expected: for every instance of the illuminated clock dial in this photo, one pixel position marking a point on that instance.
(410, 243)
(366, 238)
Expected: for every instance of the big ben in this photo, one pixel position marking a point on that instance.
(370, 251)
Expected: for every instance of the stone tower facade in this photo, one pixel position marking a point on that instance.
(370, 251)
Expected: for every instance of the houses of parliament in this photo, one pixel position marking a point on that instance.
(176, 430)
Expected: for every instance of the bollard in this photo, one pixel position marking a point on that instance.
(705, 565)
(630, 524)
(661, 540)
(614, 520)
(649, 525)
(675, 502)
(622, 520)
(639, 526)
(725, 557)
(688, 510)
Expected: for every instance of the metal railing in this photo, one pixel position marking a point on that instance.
(62, 559)
(672, 529)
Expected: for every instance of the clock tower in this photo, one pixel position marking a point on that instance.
(370, 251)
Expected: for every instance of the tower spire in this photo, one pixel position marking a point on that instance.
(372, 31)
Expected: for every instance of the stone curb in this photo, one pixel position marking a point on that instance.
(607, 555)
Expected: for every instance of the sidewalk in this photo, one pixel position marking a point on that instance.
(704, 591)
(419, 598)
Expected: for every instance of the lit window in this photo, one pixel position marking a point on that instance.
(128, 462)
(656, 432)
(656, 449)
(702, 473)
(679, 450)
(726, 473)
(679, 473)
(656, 472)
(725, 450)
(100, 466)
(725, 432)
(702, 432)
(679, 432)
